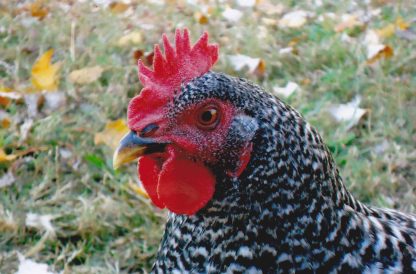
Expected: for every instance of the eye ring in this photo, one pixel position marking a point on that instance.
(208, 117)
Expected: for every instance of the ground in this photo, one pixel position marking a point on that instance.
(62, 204)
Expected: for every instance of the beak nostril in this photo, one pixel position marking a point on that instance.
(148, 130)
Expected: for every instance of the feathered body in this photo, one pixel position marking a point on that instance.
(289, 211)
(250, 184)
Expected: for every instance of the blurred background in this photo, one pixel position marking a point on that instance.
(68, 71)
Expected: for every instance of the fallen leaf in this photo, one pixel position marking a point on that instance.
(40, 222)
(54, 100)
(284, 51)
(65, 153)
(377, 52)
(27, 266)
(10, 157)
(7, 179)
(391, 29)
(25, 129)
(38, 9)
(269, 21)
(7, 95)
(286, 91)
(401, 24)
(294, 19)
(148, 58)
(269, 8)
(33, 103)
(246, 3)
(232, 15)
(261, 68)
(44, 73)
(348, 21)
(132, 38)
(137, 54)
(7, 221)
(201, 18)
(86, 75)
(118, 7)
(238, 62)
(5, 120)
(112, 133)
(6, 157)
(350, 112)
(386, 31)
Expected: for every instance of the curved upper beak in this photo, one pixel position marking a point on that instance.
(132, 147)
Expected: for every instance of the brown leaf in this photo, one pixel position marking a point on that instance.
(118, 7)
(148, 59)
(261, 68)
(137, 54)
(7, 95)
(201, 18)
(383, 52)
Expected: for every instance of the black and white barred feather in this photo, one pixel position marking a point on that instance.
(289, 211)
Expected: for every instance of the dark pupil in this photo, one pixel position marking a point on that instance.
(206, 116)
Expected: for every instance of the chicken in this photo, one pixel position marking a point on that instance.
(249, 184)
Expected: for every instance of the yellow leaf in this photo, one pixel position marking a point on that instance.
(86, 75)
(38, 9)
(387, 31)
(118, 7)
(112, 133)
(6, 157)
(132, 38)
(401, 24)
(44, 73)
(390, 29)
(10, 157)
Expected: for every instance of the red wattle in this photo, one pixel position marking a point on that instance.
(149, 170)
(185, 186)
(179, 184)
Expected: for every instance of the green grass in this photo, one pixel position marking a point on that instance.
(101, 225)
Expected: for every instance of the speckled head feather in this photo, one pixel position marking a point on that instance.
(177, 67)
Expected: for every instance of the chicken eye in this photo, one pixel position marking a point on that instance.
(208, 117)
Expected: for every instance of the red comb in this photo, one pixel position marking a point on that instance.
(178, 66)
(181, 64)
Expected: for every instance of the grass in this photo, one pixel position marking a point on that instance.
(100, 224)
